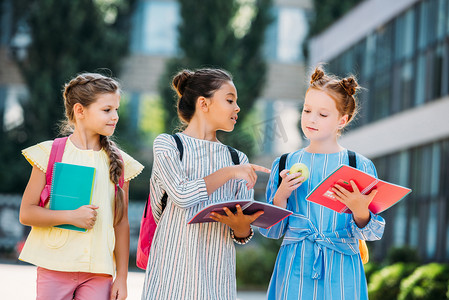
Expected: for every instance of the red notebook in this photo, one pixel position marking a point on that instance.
(387, 195)
(272, 214)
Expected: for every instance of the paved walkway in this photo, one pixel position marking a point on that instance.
(19, 282)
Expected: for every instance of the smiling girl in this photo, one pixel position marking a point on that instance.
(73, 264)
(197, 261)
(319, 257)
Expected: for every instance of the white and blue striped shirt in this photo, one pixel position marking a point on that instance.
(194, 261)
(319, 257)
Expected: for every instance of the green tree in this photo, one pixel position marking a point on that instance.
(227, 34)
(67, 37)
(327, 12)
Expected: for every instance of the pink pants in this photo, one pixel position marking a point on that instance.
(55, 285)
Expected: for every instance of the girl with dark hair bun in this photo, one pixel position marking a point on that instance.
(319, 257)
(74, 264)
(197, 261)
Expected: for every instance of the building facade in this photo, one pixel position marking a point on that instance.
(399, 51)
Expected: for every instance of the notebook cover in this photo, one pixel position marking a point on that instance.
(387, 195)
(72, 187)
(272, 214)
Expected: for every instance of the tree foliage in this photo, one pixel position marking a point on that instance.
(67, 37)
(327, 12)
(208, 37)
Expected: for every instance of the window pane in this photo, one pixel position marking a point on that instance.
(370, 56)
(407, 85)
(405, 35)
(432, 229)
(436, 72)
(441, 18)
(384, 50)
(292, 31)
(423, 16)
(420, 92)
(159, 22)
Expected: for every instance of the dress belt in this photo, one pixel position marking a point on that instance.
(300, 229)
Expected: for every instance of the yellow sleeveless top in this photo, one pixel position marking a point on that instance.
(72, 251)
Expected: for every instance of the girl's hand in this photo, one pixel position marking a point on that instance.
(356, 202)
(85, 216)
(247, 172)
(119, 290)
(289, 183)
(238, 222)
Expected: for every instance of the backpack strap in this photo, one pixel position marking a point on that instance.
(56, 153)
(352, 159)
(282, 162)
(179, 145)
(234, 155)
(181, 154)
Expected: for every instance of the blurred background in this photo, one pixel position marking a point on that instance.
(398, 50)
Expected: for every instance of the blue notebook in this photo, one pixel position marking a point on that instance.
(72, 187)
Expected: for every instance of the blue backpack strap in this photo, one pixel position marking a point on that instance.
(282, 163)
(234, 155)
(352, 159)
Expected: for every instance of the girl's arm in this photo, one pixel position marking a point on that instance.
(31, 214)
(184, 192)
(364, 224)
(278, 230)
(121, 252)
(245, 172)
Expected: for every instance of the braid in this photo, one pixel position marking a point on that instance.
(116, 168)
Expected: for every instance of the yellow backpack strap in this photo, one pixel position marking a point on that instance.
(364, 253)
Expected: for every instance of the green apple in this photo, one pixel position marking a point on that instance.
(300, 167)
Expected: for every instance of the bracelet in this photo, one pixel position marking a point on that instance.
(242, 241)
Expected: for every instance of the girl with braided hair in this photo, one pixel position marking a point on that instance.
(72, 264)
(319, 257)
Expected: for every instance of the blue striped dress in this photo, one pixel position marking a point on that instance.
(319, 257)
(190, 261)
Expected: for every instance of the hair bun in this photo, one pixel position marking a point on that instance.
(317, 74)
(350, 85)
(180, 81)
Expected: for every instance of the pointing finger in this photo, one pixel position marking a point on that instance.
(260, 168)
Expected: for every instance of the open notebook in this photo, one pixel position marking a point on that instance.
(272, 214)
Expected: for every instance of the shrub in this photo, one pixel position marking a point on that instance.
(384, 284)
(426, 282)
(402, 254)
(370, 268)
(255, 263)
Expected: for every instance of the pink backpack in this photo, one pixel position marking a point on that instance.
(148, 224)
(56, 153)
(147, 229)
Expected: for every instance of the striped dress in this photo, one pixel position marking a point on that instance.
(190, 261)
(319, 256)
